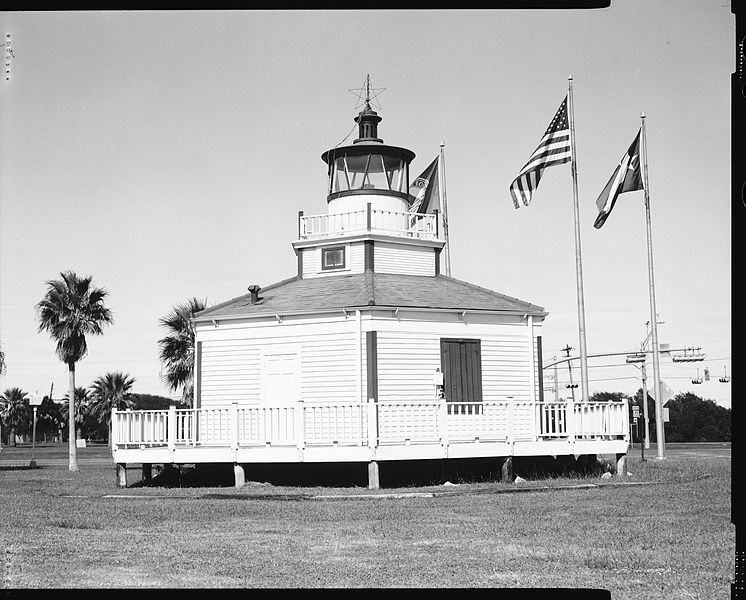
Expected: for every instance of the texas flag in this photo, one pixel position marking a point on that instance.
(626, 178)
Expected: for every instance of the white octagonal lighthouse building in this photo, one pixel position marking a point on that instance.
(368, 354)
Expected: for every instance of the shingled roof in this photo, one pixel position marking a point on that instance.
(369, 289)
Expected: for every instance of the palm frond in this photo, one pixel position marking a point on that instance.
(71, 309)
(177, 348)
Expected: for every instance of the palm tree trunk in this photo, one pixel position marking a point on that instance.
(72, 446)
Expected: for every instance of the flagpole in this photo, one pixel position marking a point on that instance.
(578, 261)
(444, 205)
(659, 428)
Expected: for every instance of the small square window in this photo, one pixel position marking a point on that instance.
(332, 258)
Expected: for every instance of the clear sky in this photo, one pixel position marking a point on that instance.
(167, 154)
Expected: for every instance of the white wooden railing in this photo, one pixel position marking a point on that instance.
(583, 419)
(371, 424)
(405, 224)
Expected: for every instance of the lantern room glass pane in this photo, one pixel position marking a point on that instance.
(376, 177)
(339, 176)
(368, 171)
(396, 174)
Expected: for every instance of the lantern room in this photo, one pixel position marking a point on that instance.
(368, 171)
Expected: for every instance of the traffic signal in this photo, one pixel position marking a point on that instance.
(638, 357)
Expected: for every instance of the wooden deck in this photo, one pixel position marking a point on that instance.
(372, 432)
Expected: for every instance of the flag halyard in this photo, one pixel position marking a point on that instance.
(626, 178)
(553, 149)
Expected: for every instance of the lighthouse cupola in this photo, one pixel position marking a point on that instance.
(367, 122)
(368, 171)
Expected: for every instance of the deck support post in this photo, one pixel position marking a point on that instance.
(121, 475)
(373, 480)
(506, 473)
(147, 471)
(621, 465)
(239, 475)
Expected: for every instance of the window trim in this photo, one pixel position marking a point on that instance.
(324, 267)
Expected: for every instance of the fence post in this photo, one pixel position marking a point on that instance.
(114, 428)
(570, 420)
(171, 434)
(233, 426)
(372, 423)
(511, 434)
(443, 421)
(299, 426)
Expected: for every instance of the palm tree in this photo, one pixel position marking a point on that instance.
(177, 348)
(14, 410)
(71, 309)
(111, 391)
(49, 416)
(82, 409)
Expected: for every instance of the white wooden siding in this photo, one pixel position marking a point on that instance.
(232, 369)
(408, 355)
(505, 365)
(328, 368)
(406, 362)
(407, 260)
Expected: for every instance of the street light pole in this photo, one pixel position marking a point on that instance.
(35, 402)
(645, 405)
(33, 442)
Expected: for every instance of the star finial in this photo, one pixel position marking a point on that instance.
(364, 93)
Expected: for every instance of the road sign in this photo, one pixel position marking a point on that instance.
(666, 393)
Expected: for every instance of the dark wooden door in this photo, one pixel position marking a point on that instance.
(461, 363)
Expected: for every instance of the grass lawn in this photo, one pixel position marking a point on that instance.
(669, 537)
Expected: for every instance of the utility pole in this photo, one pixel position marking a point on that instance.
(556, 380)
(572, 386)
(645, 405)
(645, 383)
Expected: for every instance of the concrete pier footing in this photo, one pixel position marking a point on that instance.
(374, 482)
(506, 471)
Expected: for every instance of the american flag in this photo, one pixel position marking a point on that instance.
(554, 149)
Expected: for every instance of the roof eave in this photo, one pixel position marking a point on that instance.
(345, 309)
